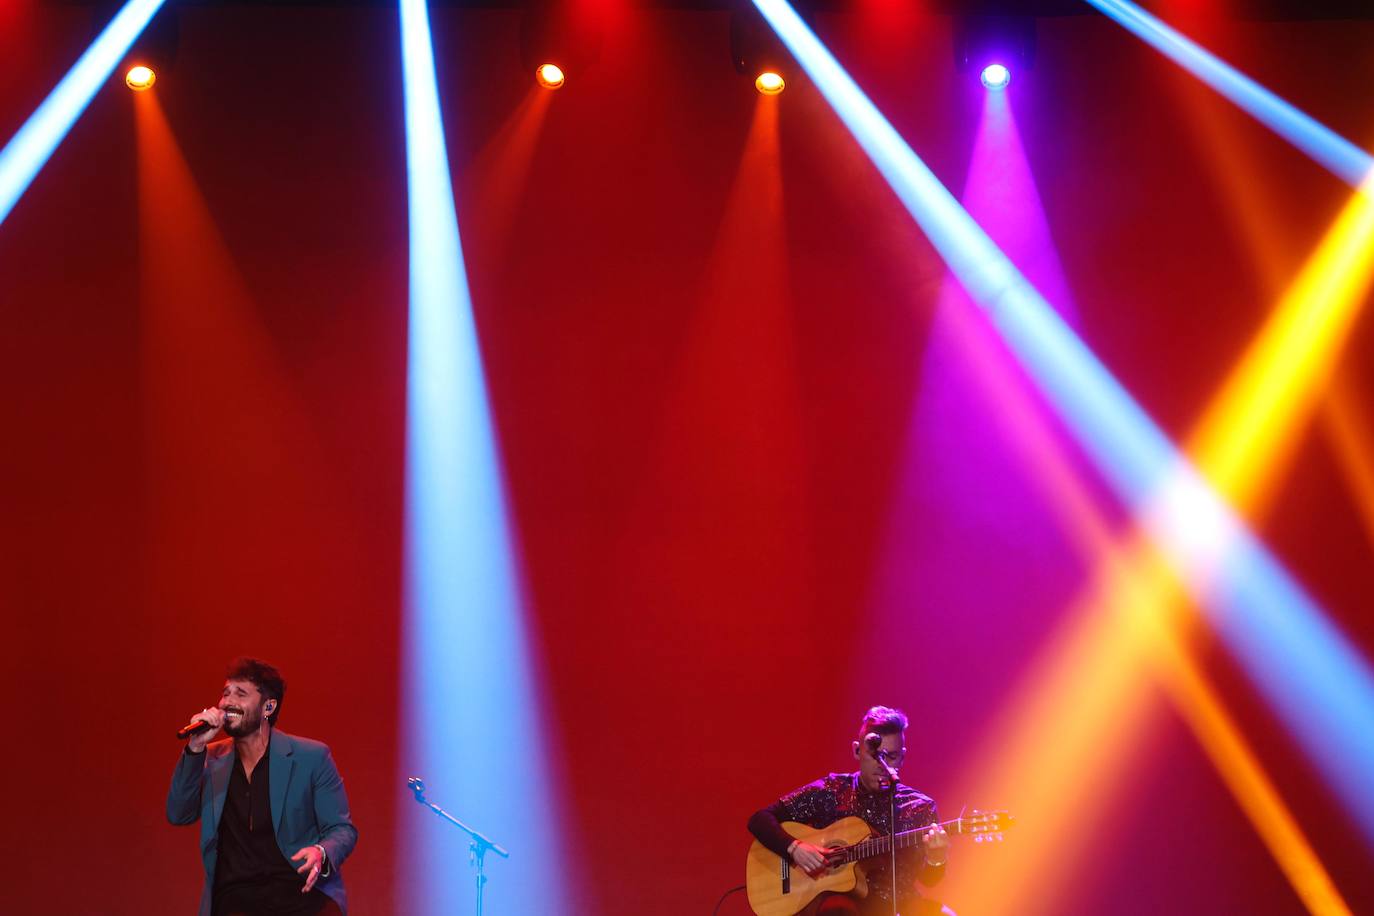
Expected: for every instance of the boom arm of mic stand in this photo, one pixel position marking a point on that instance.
(479, 841)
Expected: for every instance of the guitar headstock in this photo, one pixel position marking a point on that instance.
(986, 826)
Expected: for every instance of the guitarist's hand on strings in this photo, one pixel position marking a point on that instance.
(810, 858)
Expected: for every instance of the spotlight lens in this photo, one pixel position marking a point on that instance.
(770, 83)
(140, 78)
(996, 76)
(550, 76)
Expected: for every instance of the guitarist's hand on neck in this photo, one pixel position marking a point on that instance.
(936, 844)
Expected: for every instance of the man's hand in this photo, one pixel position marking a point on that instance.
(810, 859)
(937, 846)
(314, 864)
(215, 717)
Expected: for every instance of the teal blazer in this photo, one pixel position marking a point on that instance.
(308, 804)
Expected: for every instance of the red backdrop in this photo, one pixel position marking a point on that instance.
(704, 330)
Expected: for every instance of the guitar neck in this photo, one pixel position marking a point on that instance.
(882, 845)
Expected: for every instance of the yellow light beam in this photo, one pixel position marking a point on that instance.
(1254, 212)
(1250, 427)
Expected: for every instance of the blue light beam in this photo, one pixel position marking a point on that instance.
(472, 723)
(33, 144)
(1329, 149)
(1308, 671)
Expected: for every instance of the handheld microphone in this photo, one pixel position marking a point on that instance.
(193, 728)
(874, 741)
(417, 785)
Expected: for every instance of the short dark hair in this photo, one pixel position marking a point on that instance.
(263, 676)
(883, 720)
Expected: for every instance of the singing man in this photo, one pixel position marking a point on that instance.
(870, 795)
(274, 824)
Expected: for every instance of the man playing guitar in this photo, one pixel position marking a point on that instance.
(869, 794)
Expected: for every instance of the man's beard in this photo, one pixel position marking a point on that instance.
(246, 726)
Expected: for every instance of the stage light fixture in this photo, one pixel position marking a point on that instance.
(29, 149)
(550, 76)
(756, 51)
(140, 78)
(770, 82)
(996, 76)
(994, 46)
(556, 30)
(154, 55)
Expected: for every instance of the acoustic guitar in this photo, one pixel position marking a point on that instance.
(778, 888)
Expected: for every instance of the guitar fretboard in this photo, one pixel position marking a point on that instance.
(882, 845)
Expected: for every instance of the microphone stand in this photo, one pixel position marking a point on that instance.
(478, 846)
(891, 824)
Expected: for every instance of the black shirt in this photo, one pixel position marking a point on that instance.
(251, 873)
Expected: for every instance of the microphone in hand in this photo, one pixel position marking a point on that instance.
(193, 728)
(203, 726)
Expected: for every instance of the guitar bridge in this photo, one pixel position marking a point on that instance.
(786, 876)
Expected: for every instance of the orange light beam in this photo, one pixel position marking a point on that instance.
(1066, 742)
(1243, 436)
(497, 177)
(1350, 435)
(1067, 738)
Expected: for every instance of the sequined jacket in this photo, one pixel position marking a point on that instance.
(821, 803)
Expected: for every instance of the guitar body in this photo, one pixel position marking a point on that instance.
(775, 890)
